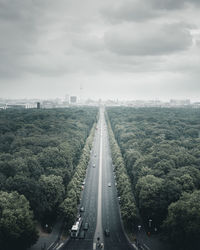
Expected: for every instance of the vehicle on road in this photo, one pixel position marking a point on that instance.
(86, 226)
(93, 165)
(82, 209)
(82, 234)
(107, 232)
(109, 184)
(76, 228)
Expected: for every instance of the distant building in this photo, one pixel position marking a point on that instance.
(175, 102)
(73, 99)
(66, 99)
(49, 104)
(2, 106)
(16, 106)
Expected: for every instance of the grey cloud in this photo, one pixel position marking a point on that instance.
(142, 10)
(89, 43)
(157, 40)
(168, 4)
(37, 36)
(18, 29)
(129, 11)
(71, 41)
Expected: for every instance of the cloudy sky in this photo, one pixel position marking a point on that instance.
(125, 49)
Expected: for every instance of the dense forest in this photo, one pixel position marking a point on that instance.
(39, 154)
(161, 151)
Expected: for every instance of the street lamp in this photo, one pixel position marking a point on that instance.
(150, 220)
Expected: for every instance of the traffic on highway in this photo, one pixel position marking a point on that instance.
(98, 224)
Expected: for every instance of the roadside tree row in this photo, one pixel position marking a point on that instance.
(161, 151)
(69, 207)
(39, 154)
(127, 203)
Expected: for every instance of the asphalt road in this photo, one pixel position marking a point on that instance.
(109, 216)
(110, 209)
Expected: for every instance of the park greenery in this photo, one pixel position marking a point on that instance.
(40, 158)
(161, 152)
(68, 208)
(128, 207)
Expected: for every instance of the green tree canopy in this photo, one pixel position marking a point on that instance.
(17, 228)
(182, 224)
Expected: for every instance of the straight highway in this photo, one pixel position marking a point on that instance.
(99, 199)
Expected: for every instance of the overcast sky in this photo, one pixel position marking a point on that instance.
(125, 49)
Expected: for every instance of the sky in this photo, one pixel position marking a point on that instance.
(108, 49)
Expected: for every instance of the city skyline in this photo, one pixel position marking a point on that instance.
(105, 49)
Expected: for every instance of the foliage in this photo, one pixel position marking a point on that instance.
(17, 228)
(161, 151)
(182, 224)
(68, 208)
(39, 153)
(127, 204)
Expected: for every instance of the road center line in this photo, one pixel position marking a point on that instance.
(98, 231)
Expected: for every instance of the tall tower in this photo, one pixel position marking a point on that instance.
(81, 93)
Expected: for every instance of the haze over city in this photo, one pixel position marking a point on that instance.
(105, 49)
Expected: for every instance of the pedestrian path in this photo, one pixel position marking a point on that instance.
(46, 240)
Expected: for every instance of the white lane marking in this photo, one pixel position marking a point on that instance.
(60, 246)
(146, 246)
(98, 231)
(50, 246)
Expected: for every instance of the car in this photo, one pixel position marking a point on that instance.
(83, 182)
(93, 165)
(86, 226)
(109, 184)
(82, 234)
(107, 232)
(82, 209)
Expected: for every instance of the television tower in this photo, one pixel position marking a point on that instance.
(80, 94)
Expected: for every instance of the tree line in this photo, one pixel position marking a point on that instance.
(68, 208)
(39, 154)
(161, 151)
(128, 207)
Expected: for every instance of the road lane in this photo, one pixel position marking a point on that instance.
(89, 200)
(100, 200)
(98, 237)
(111, 215)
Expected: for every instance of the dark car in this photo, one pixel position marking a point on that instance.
(107, 232)
(86, 226)
(82, 234)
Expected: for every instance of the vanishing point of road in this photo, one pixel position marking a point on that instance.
(99, 199)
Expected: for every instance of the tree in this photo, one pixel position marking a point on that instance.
(182, 225)
(52, 194)
(17, 228)
(148, 190)
(68, 209)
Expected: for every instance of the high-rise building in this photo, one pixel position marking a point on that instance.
(73, 99)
